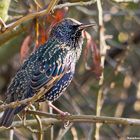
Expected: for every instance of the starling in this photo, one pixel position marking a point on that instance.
(56, 58)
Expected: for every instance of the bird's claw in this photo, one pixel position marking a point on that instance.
(65, 122)
(64, 114)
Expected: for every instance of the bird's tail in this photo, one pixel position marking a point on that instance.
(7, 117)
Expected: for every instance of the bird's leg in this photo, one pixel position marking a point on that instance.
(3, 26)
(19, 117)
(63, 114)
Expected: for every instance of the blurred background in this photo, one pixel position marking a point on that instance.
(121, 87)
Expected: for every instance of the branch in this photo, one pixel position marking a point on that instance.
(9, 27)
(81, 3)
(103, 50)
(19, 124)
(119, 1)
(40, 127)
(89, 118)
(55, 119)
(9, 35)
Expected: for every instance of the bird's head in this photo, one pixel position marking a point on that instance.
(69, 31)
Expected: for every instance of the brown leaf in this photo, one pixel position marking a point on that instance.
(25, 48)
(96, 58)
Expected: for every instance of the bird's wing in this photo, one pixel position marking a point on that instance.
(50, 69)
(43, 68)
(52, 74)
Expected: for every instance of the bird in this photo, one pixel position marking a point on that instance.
(53, 63)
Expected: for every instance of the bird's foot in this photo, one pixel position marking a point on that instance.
(63, 116)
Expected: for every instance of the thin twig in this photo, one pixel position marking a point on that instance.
(81, 3)
(30, 16)
(11, 134)
(74, 133)
(40, 132)
(122, 1)
(100, 93)
(40, 129)
(63, 131)
(52, 128)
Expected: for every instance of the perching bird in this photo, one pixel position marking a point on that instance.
(54, 62)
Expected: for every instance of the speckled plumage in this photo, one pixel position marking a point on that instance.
(56, 57)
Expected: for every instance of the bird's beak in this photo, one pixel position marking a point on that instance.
(84, 26)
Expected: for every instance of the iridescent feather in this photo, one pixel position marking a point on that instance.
(56, 58)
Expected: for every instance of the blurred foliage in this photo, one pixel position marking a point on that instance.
(122, 78)
(4, 6)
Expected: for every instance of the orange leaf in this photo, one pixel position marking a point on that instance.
(50, 21)
(25, 48)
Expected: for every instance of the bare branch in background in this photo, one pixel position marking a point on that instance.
(30, 16)
(10, 26)
(119, 1)
(103, 50)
